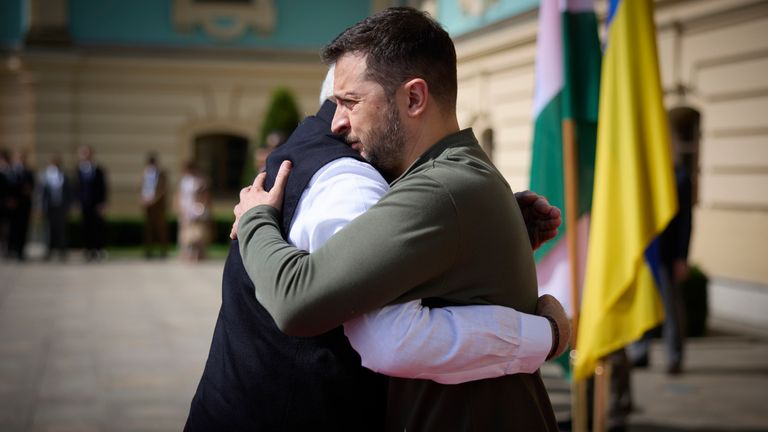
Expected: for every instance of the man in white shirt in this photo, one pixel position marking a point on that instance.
(448, 345)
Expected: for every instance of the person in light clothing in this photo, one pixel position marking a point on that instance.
(56, 200)
(194, 214)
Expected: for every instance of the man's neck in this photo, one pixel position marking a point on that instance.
(426, 134)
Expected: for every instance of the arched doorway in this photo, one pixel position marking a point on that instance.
(221, 157)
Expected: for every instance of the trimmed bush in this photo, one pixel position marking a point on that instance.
(696, 302)
(282, 116)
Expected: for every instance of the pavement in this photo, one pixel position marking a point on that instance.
(119, 345)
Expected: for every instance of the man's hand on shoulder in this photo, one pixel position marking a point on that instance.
(255, 195)
(548, 307)
(541, 218)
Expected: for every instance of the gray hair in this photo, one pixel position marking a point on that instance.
(326, 92)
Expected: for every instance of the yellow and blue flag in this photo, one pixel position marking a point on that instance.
(634, 195)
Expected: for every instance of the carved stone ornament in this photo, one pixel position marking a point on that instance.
(225, 20)
(476, 7)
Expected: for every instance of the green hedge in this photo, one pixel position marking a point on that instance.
(128, 232)
(695, 302)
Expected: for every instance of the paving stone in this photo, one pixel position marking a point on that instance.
(120, 346)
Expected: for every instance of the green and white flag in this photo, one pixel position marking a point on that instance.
(568, 62)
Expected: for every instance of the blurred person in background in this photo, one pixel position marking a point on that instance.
(674, 244)
(5, 195)
(273, 141)
(194, 214)
(56, 198)
(153, 203)
(92, 194)
(22, 185)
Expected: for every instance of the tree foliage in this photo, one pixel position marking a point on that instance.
(282, 116)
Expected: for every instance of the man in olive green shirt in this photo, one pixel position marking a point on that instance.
(449, 231)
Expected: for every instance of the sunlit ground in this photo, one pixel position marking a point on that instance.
(119, 345)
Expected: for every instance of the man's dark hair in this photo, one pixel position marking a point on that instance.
(401, 43)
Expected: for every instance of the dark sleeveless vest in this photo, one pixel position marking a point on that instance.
(257, 378)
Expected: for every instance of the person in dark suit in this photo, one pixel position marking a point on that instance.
(92, 194)
(5, 195)
(56, 199)
(22, 184)
(675, 241)
(673, 245)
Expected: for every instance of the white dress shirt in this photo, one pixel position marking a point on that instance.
(54, 181)
(448, 345)
(149, 183)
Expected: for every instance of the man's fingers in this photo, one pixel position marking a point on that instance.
(548, 224)
(258, 182)
(244, 191)
(548, 216)
(280, 180)
(542, 206)
(282, 174)
(526, 198)
(255, 195)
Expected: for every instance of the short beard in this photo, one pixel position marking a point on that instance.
(385, 145)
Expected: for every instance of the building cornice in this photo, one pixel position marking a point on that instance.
(302, 56)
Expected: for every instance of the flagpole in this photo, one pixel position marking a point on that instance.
(571, 182)
(602, 386)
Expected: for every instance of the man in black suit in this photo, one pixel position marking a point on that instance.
(5, 195)
(92, 194)
(22, 184)
(674, 243)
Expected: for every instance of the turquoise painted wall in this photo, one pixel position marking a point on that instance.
(450, 14)
(301, 24)
(13, 22)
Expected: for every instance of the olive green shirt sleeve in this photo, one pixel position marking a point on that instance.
(396, 251)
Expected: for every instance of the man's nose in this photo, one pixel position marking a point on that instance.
(340, 122)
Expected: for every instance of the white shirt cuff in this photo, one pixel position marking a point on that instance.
(535, 342)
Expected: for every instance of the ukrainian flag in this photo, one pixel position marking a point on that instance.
(634, 195)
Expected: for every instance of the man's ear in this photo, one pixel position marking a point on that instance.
(418, 95)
